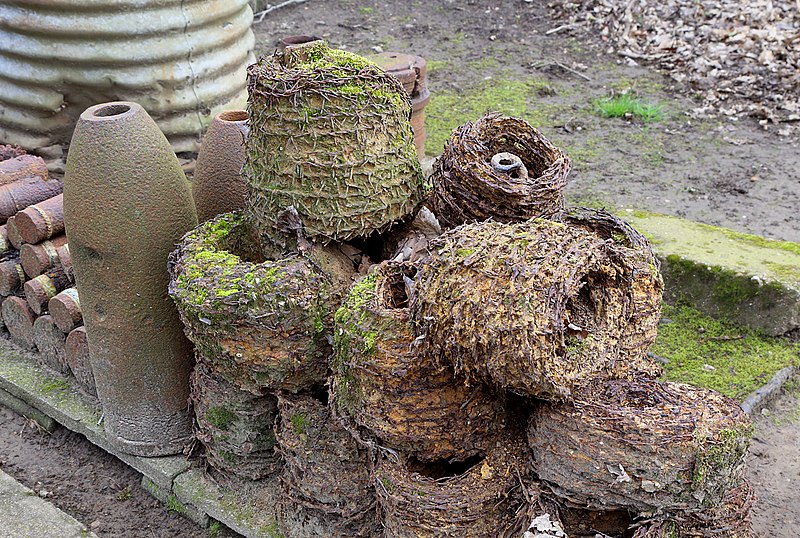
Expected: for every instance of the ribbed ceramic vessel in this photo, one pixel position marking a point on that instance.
(183, 60)
(218, 186)
(126, 204)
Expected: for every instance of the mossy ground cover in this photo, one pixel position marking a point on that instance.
(719, 355)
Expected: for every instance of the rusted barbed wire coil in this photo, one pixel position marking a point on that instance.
(643, 445)
(329, 135)
(646, 283)
(730, 519)
(234, 426)
(467, 187)
(326, 471)
(536, 307)
(410, 403)
(262, 325)
(484, 499)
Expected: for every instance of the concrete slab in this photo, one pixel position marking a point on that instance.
(246, 507)
(23, 514)
(728, 275)
(172, 503)
(22, 408)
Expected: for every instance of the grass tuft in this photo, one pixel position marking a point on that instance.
(626, 106)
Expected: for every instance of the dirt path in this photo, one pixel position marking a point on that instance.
(774, 468)
(88, 483)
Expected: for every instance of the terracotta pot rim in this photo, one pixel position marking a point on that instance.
(233, 116)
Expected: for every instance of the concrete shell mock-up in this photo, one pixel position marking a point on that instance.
(182, 60)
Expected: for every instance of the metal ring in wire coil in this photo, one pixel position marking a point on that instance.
(409, 402)
(329, 135)
(326, 470)
(536, 307)
(643, 445)
(261, 324)
(234, 426)
(468, 186)
(485, 499)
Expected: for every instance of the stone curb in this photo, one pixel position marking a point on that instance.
(26, 515)
(33, 391)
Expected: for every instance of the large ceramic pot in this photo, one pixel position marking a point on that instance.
(218, 186)
(126, 204)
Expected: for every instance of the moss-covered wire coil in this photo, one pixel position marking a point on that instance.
(730, 519)
(486, 499)
(329, 135)
(646, 283)
(409, 402)
(644, 445)
(326, 471)
(262, 325)
(234, 426)
(536, 307)
(467, 187)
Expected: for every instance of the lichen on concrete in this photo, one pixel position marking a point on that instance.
(729, 275)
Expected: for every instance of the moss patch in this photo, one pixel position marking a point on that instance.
(731, 359)
(519, 98)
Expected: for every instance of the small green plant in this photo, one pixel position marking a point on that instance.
(299, 423)
(124, 494)
(626, 106)
(366, 10)
(214, 529)
(174, 505)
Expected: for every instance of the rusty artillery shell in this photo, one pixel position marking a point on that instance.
(127, 203)
(218, 186)
(37, 259)
(19, 319)
(65, 308)
(39, 290)
(77, 353)
(49, 340)
(41, 221)
(22, 167)
(12, 234)
(20, 194)
(12, 276)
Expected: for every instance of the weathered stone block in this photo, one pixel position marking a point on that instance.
(729, 275)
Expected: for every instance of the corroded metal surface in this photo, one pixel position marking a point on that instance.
(123, 215)
(183, 60)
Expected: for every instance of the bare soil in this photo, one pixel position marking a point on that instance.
(88, 483)
(720, 172)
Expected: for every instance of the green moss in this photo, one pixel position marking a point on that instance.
(348, 319)
(220, 417)
(55, 385)
(299, 423)
(464, 252)
(437, 65)
(214, 529)
(720, 456)
(519, 98)
(174, 505)
(710, 353)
